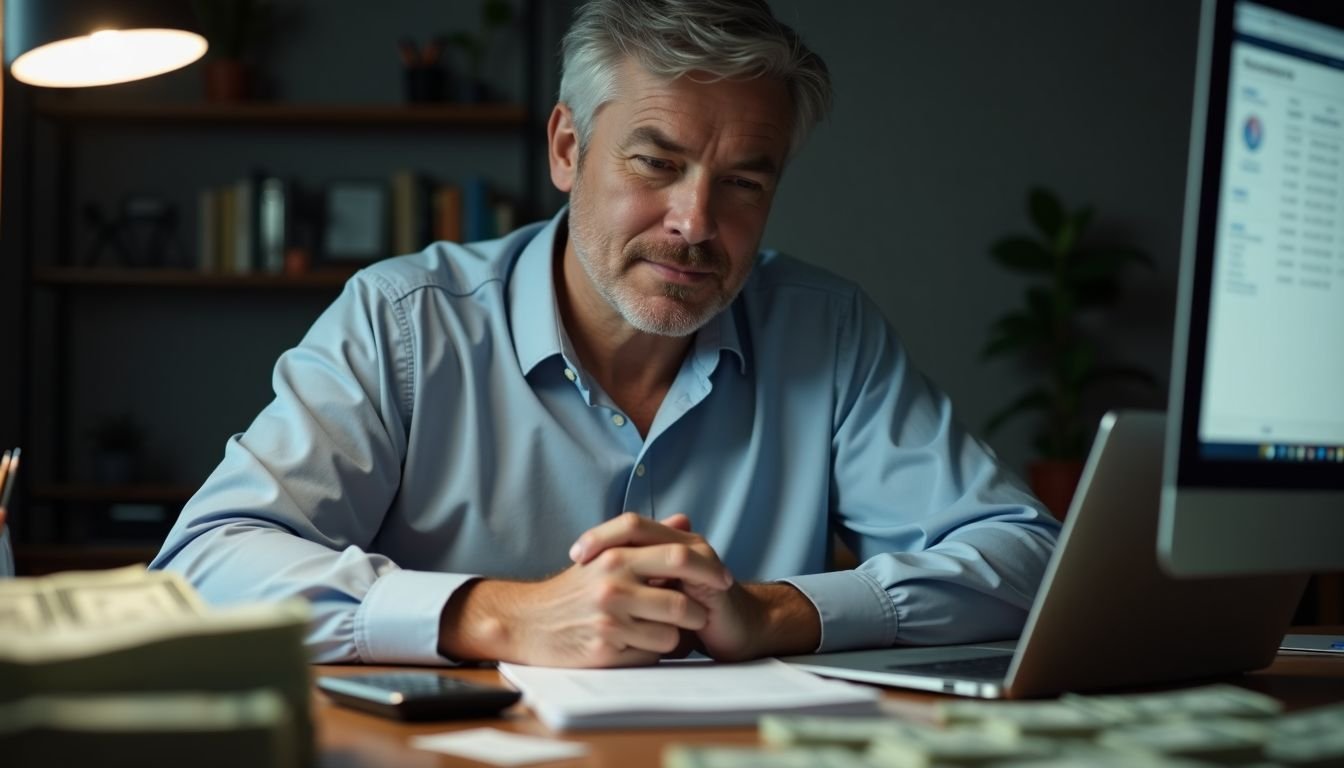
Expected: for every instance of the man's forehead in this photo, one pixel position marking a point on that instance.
(755, 110)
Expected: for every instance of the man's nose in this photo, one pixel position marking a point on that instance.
(690, 213)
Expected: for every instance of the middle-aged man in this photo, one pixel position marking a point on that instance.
(623, 432)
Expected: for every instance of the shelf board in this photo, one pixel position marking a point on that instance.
(151, 277)
(275, 113)
(111, 494)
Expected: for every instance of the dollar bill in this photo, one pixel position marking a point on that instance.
(1221, 740)
(678, 756)
(960, 746)
(132, 631)
(852, 732)
(1058, 719)
(1308, 738)
(252, 728)
(1209, 701)
(94, 600)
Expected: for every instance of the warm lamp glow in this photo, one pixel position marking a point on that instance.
(107, 57)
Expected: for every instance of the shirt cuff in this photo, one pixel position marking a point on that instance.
(855, 611)
(398, 621)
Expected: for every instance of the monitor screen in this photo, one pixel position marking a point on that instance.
(1254, 475)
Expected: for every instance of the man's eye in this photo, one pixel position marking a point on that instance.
(655, 163)
(746, 184)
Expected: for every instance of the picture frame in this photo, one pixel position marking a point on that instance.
(354, 221)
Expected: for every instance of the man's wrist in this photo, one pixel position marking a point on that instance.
(790, 622)
(474, 624)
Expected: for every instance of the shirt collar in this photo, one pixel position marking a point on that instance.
(534, 316)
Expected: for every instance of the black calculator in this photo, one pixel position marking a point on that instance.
(417, 695)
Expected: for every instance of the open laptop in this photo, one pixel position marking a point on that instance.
(1106, 615)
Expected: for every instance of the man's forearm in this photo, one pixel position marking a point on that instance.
(473, 625)
(791, 624)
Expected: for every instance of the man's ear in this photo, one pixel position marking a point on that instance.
(562, 140)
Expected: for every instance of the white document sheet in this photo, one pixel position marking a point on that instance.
(680, 694)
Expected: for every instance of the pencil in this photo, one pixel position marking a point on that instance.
(11, 470)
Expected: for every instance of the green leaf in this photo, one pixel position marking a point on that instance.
(1046, 212)
(1022, 254)
(1096, 263)
(1034, 400)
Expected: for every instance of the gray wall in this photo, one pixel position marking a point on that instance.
(946, 112)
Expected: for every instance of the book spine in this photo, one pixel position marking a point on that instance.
(271, 221)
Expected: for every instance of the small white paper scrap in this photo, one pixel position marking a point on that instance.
(491, 745)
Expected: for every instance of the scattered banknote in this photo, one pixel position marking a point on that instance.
(1191, 703)
(1311, 737)
(1058, 719)
(1220, 740)
(852, 732)
(958, 746)
(678, 756)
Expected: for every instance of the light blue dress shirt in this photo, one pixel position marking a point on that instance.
(435, 425)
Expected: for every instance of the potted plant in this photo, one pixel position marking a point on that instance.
(1070, 279)
(495, 15)
(232, 28)
(117, 442)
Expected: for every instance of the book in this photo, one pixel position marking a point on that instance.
(448, 213)
(272, 223)
(129, 631)
(682, 693)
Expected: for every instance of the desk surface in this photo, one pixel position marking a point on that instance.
(350, 738)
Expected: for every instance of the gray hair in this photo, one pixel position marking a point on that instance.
(727, 39)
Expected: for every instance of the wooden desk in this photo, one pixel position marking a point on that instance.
(347, 738)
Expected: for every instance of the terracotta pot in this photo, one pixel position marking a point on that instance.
(225, 80)
(1054, 481)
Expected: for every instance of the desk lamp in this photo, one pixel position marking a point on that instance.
(78, 43)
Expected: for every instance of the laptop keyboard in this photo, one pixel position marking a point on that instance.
(980, 668)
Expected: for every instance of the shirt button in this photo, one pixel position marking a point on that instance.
(618, 420)
(639, 470)
(569, 374)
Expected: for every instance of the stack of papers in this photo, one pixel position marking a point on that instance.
(682, 694)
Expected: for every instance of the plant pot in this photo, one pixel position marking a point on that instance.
(225, 80)
(1054, 482)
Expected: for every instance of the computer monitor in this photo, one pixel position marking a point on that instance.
(1254, 473)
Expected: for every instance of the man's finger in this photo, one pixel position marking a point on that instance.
(666, 561)
(679, 522)
(627, 530)
(666, 606)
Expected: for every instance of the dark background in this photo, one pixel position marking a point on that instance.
(945, 114)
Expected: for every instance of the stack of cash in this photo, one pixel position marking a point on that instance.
(220, 730)
(1210, 725)
(74, 646)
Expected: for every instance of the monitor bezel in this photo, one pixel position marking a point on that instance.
(1194, 469)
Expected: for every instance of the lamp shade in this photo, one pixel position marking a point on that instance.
(77, 43)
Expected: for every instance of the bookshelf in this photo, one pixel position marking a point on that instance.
(76, 521)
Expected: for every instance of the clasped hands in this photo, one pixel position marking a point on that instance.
(639, 590)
